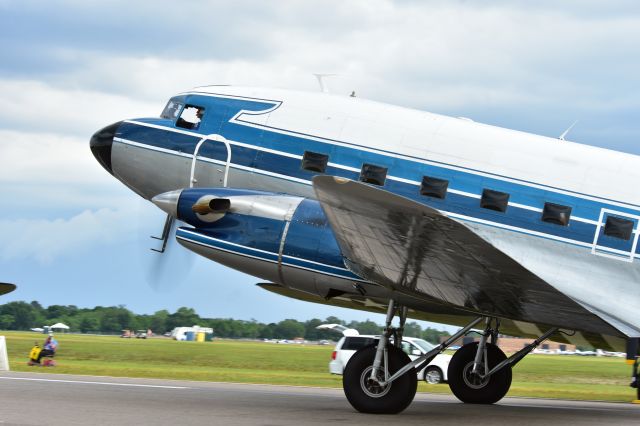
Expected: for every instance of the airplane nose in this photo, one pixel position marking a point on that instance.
(100, 144)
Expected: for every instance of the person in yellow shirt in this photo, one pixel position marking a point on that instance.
(34, 354)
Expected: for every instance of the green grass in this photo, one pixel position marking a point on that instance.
(548, 376)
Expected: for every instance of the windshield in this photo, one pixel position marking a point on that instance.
(423, 344)
(172, 110)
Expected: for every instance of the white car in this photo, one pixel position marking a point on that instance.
(435, 371)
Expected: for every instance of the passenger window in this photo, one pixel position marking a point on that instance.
(434, 187)
(494, 200)
(191, 117)
(172, 110)
(373, 174)
(556, 213)
(314, 162)
(618, 228)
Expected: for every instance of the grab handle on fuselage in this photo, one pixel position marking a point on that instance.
(215, 138)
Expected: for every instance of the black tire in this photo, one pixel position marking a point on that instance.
(433, 375)
(375, 400)
(471, 391)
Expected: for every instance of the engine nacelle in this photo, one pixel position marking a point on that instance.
(280, 238)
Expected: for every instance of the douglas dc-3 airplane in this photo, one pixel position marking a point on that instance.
(353, 203)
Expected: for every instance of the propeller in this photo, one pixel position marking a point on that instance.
(170, 265)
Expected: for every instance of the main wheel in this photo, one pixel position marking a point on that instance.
(368, 396)
(468, 387)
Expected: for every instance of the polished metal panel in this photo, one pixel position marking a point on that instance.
(411, 248)
(606, 287)
(147, 172)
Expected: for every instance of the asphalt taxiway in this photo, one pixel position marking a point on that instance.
(56, 399)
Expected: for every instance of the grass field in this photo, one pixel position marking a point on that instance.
(566, 377)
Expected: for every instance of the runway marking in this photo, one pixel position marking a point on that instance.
(95, 383)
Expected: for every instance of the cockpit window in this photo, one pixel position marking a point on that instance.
(191, 117)
(172, 110)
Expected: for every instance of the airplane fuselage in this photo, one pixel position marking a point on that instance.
(569, 213)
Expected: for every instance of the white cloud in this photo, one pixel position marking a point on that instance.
(47, 239)
(37, 106)
(45, 174)
(452, 56)
(48, 158)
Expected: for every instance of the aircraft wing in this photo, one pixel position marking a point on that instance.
(416, 250)
(6, 288)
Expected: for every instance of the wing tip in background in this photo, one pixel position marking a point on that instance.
(6, 288)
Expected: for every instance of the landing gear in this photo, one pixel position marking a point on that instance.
(381, 379)
(470, 386)
(374, 380)
(480, 373)
(368, 395)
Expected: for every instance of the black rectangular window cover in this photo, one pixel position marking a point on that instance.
(314, 162)
(618, 228)
(494, 200)
(556, 213)
(434, 187)
(373, 174)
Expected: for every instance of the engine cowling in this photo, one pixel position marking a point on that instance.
(277, 237)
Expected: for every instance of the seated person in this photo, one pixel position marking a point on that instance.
(48, 349)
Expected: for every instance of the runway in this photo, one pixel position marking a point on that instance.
(56, 399)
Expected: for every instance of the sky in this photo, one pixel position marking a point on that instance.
(72, 234)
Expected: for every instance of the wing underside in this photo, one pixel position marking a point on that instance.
(444, 315)
(415, 250)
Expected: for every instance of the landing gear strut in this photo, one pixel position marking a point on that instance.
(382, 379)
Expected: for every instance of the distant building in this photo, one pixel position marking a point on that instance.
(510, 345)
(514, 344)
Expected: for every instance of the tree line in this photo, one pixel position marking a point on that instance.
(114, 319)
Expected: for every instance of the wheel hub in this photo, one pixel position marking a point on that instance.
(473, 380)
(372, 387)
(433, 377)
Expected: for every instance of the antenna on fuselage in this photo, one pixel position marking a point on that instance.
(323, 87)
(567, 131)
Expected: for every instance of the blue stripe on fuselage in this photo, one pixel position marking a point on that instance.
(206, 240)
(352, 157)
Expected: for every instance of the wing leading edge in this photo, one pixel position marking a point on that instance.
(414, 249)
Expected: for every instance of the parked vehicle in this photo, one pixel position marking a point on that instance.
(434, 372)
(141, 334)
